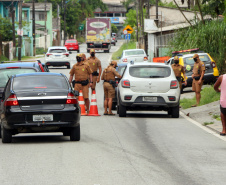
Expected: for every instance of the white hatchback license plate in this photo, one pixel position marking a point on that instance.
(43, 117)
(150, 99)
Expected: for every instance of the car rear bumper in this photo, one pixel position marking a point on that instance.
(72, 49)
(24, 119)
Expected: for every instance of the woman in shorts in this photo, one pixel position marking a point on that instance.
(220, 86)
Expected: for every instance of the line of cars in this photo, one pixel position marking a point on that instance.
(35, 100)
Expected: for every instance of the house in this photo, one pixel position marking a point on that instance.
(40, 24)
(160, 31)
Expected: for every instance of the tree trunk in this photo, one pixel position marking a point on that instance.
(200, 11)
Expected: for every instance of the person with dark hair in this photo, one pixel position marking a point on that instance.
(108, 76)
(220, 86)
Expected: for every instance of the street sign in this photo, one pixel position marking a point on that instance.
(125, 32)
(129, 29)
(81, 27)
(127, 36)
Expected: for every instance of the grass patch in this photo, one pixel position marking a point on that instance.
(81, 39)
(3, 58)
(40, 51)
(217, 117)
(118, 53)
(24, 58)
(208, 123)
(208, 95)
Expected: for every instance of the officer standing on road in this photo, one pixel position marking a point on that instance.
(84, 59)
(109, 86)
(82, 73)
(178, 69)
(95, 65)
(198, 73)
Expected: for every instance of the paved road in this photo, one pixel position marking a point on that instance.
(141, 149)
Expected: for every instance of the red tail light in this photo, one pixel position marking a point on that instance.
(11, 101)
(145, 58)
(67, 55)
(104, 44)
(126, 83)
(174, 84)
(124, 60)
(113, 38)
(48, 54)
(213, 64)
(71, 99)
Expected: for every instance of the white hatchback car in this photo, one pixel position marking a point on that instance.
(135, 55)
(57, 56)
(148, 86)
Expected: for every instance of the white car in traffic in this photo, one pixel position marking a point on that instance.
(148, 86)
(135, 55)
(57, 56)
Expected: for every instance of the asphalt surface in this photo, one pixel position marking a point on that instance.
(144, 148)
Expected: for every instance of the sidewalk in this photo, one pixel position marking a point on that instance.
(204, 114)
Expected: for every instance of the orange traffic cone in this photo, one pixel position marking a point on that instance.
(81, 103)
(93, 106)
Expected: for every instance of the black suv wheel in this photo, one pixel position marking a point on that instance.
(75, 133)
(6, 135)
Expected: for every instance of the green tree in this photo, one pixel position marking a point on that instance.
(114, 28)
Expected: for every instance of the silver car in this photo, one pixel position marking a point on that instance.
(135, 55)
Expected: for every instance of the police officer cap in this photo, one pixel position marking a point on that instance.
(114, 62)
(92, 51)
(195, 56)
(78, 55)
(176, 58)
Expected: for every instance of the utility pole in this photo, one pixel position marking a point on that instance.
(13, 23)
(137, 10)
(33, 26)
(64, 21)
(157, 14)
(58, 32)
(45, 27)
(20, 31)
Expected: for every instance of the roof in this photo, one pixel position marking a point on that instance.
(41, 6)
(39, 74)
(192, 54)
(147, 63)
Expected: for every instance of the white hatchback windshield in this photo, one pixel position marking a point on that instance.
(57, 51)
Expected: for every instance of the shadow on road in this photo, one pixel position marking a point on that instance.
(148, 115)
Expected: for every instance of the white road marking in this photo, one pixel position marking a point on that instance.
(203, 127)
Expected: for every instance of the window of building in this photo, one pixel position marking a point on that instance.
(117, 14)
(103, 15)
(25, 16)
(109, 14)
(40, 16)
(96, 15)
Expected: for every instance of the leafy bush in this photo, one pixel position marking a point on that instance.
(40, 51)
(81, 39)
(3, 58)
(209, 37)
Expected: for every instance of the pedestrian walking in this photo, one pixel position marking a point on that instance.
(198, 74)
(108, 76)
(95, 65)
(178, 69)
(220, 86)
(82, 73)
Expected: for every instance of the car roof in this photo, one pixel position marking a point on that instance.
(39, 74)
(19, 64)
(191, 55)
(57, 47)
(133, 49)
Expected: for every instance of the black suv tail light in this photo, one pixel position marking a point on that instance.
(71, 99)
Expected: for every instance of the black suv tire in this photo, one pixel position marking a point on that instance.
(175, 112)
(121, 110)
(6, 135)
(75, 133)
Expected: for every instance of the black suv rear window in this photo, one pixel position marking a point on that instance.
(149, 72)
(190, 60)
(7, 72)
(39, 82)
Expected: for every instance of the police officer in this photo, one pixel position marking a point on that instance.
(178, 69)
(198, 73)
(95, 65)
(82, 73)
(84, 59)
(109, 86)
